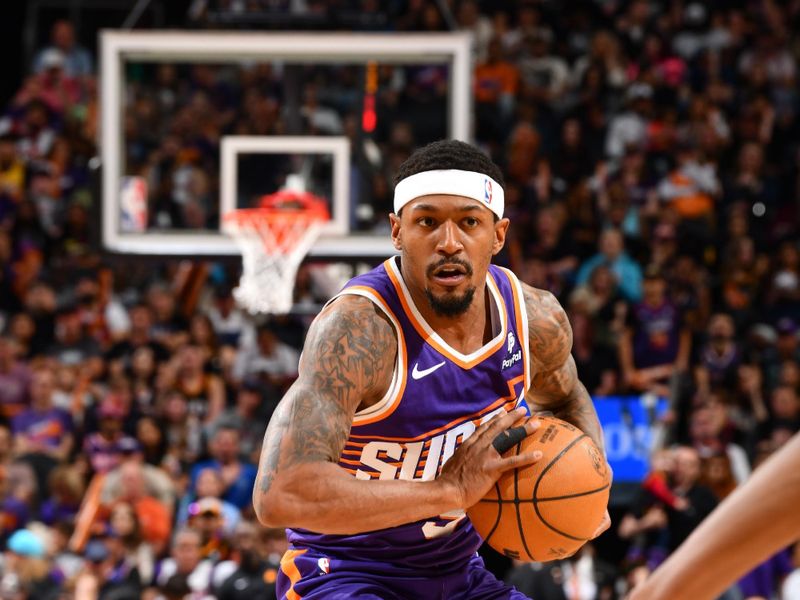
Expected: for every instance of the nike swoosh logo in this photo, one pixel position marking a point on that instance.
(417, 374)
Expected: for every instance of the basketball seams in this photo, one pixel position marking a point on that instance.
(575, 495)
(535, 500)
(516, 507)
(499, 512)
(549, 498)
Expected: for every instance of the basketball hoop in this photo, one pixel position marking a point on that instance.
(273, 240)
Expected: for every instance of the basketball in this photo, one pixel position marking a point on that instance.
(547, 510)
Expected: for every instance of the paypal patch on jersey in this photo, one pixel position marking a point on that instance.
(437, 399)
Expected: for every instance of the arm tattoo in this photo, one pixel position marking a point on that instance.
(548, 329)
(345, 363)
(555, 386)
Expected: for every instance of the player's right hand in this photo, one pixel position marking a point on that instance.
(476, 464)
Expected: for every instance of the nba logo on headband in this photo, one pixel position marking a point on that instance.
(487, 191)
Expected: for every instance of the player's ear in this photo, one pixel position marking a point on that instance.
(500, 231)
(394, 221)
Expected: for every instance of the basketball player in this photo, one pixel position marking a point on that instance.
(757, 520)
(406, 378)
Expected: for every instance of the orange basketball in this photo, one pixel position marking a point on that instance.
(549, 509)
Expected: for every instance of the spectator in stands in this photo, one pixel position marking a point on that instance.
(140, 334)
(43, 434)
(496, 85)
(66, 490)
(251, 571)
(678, 521)
(184, 431)
(152, 513)
(26, 570)
(543, 74)
(709, 430)
(784, 409)
(142, 376)
(107, 447)
(202, 335)
(230, 322)
(73, 346)
(39, 301)
(717, 475)
(594, 360)
(51, 84)
(270, 359)
(786, 348)
(185, 564)
(124, 526)
(612, 254)
(690, 190)
(655, 345)
(15, 380)
(469, 18)
(153, 481)
(630, 127)
(169, 327)
(250, 415)
(206, 516)
(238, 476)
(209, 485)
(720, 357)
(552, 243)
(36, 135)
(20, 498)
(77, 62)
(204, 391)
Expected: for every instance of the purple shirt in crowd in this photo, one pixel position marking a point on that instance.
(104, 455)
(47, 428)
(656, 333)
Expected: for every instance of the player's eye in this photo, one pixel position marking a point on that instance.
(426, 221)
(471, 222)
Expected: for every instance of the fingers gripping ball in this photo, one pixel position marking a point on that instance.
(549, 509)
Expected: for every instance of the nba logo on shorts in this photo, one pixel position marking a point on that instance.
(324, 565)
(511, 341)
(487, 191)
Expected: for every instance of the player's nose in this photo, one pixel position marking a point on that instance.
(449, 239)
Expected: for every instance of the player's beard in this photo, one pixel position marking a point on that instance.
(451, 305)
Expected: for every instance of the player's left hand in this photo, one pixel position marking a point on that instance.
(604, 524)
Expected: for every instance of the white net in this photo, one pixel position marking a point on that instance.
(272, 250)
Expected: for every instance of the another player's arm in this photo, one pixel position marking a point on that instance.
(757, 520)
(555, 386)
(348, 360)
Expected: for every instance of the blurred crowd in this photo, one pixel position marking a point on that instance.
(651, 155)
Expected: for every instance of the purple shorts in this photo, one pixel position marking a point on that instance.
(313, 576)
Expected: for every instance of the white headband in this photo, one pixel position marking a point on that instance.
(453, 182)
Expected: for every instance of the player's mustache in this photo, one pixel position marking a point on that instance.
(449, 262)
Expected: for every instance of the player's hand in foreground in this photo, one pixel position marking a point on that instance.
(476, 465)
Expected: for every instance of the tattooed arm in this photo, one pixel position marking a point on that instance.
(555, 386)
(347, 363)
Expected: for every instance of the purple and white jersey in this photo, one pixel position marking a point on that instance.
(437, 398)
